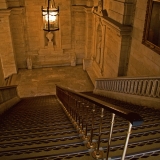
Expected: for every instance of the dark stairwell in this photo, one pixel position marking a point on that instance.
(38, 128)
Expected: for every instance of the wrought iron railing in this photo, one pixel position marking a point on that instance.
(7, 93)
(141, 86)
(80, 107)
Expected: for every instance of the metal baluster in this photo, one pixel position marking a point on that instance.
(73, 110)
(110, 135)
(82, 121)
(79, 129)
(79, 115)
(126, 142)
(98, 154)
(69, 107)
(92, 144)
(85, 136)
(76, 110)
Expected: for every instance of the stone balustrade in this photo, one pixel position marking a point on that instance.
(149, 87)
(146, 87)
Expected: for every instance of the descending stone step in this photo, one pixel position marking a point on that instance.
(35, 136)
(37, 128)
(79, 155)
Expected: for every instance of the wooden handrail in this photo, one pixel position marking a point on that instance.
(7, 87)
(134, 118)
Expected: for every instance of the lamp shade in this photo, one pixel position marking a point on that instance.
(50, 17)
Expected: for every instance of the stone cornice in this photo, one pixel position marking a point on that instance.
(118, 27)
(122, 29)
(88, 9)
(17, 10)
(5, 12)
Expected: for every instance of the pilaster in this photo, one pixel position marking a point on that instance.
(88, 32)
(19, 36)
(6, 45)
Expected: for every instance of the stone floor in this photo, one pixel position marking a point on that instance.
(42, 81)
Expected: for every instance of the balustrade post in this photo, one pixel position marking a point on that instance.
(92, 144)
(110, 135)
(76, 110)
(79, 115)
(85, 136)
(126, 142)
(98, 154)
(82, 120)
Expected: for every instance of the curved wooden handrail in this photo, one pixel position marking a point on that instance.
(134, 118)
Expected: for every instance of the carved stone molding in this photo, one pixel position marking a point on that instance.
(5, 12)
(116, 40)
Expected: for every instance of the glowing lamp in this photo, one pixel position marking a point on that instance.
(50, 17)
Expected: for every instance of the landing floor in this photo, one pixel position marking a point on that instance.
(38, 82)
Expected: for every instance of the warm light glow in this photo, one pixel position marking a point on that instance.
(51, 18)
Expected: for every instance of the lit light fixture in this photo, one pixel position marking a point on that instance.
(50, 17)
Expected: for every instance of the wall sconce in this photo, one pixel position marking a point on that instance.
(50, 17)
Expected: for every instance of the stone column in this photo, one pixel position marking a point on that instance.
(6, 45)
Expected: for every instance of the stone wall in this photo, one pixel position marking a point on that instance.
(15, 3)
(78, 32)
(6, 45)
(112, 38)
(121, 11)
(30, 38)
(143, 61)
(3, 4)
(122, 51)
(17, 24)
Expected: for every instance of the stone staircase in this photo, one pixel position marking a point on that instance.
(38, 128)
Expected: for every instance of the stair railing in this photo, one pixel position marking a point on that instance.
(141, 86)
(8, 97)
(7, 93)
(76, 105)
